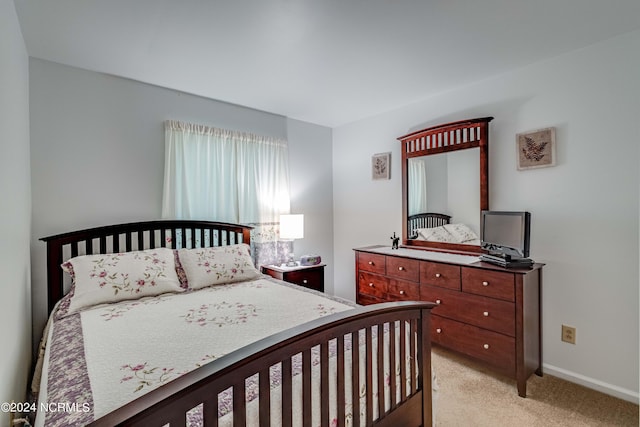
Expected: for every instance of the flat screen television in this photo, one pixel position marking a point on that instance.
(505, 234)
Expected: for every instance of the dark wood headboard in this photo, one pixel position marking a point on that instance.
(426, 220)
(174, 234)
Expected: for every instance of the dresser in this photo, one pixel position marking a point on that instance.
(311, 277)
(486, 312)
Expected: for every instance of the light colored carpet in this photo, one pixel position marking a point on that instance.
(471, 395)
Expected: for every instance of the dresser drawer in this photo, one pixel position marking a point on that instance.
(495, 284)
(399, 290)
(491, 347)
(487, 313)
(403, 268)
(372, 284)
(364, 299)
(371, 262)
(437, 274)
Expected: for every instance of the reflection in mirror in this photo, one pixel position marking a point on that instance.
(446, 183)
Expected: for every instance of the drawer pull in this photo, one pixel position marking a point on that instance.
(438, 275)
(485, 283)
(486, 346)
(402, 292)
(400, 268)
(439, 330)
(371, 285)
(438, 301)
(485, 314)
(370, 262)
(305, 281)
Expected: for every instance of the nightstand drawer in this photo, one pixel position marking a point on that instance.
(309, 278)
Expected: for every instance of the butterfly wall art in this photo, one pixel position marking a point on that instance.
(536, 149)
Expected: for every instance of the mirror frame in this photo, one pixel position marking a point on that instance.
(448, 137)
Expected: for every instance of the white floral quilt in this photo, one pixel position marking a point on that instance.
(106, 356)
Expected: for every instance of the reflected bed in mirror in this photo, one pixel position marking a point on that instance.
(445, 185)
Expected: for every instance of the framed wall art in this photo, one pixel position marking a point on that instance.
(381, 166)
(536, 149)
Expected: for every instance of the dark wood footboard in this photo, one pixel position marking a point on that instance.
(410, 398)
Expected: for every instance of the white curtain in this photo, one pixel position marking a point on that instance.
(223, 175)
(417, 191)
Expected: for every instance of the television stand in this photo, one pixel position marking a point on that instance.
(507, 261)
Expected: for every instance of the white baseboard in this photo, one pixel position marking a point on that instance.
(610, 389)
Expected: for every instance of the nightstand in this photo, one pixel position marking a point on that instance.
(311, 276)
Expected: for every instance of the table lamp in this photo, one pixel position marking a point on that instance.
(291, 228)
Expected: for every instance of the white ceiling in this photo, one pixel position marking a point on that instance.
(328, 62)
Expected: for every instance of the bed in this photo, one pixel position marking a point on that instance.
(437, 227)
(425, 220)
(235, 358)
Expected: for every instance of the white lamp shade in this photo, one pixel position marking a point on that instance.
(292, 226)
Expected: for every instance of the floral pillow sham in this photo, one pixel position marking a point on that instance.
(106, 278)
(461, 232)
(217, 265)
(435, 234)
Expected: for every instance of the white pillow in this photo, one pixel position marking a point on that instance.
(105, 278)
(461, 232)
(435, 234)
(217, 265)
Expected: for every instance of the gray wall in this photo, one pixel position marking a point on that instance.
(584, 210)
(15, 226)
(312, 190)
(98, 155)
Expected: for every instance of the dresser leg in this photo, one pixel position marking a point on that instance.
(522, 388)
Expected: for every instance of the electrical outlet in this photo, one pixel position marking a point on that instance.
(569, 334)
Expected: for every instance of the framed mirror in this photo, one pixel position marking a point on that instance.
(445, 185)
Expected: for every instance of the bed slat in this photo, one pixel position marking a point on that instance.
(369, 373)
(403, 358)
(239, 404)
(264, 397)
(392, 362)
(340, 381)
(287, 394)
(380, 364)
(116, 243)
(355, 376)
(412, 351)
(210, 411)
(306, 388)
(324, 384)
